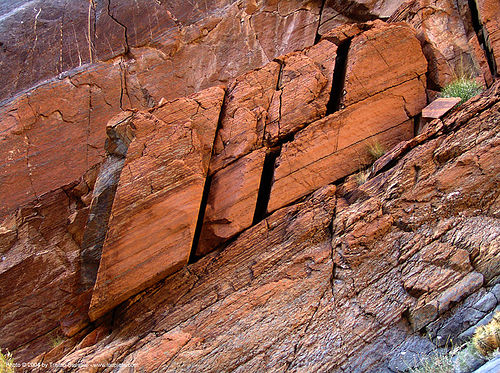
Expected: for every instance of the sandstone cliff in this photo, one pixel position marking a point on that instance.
(167, 207)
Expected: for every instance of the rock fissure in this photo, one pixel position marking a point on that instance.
(482, 35)
(339, 76)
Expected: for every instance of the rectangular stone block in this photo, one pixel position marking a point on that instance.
(154, 213)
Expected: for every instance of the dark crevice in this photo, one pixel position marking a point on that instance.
(317, 38)
(199, 223)
(417, 124)
(338, 81)
(278, 81)
(206, 191)
(125, 31)
(482, 36)
(266, 182)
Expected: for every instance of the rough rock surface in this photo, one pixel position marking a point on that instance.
(114, 56)
(449, 40)
(489, 15)
(232, 200)
(381, 95)
(335, 282)
(158, 196)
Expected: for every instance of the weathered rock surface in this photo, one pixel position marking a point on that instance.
(231, 201)
(328, 284)
(305, 77)
(489, 15)
(449, 41)
(53, 220)
(381, 96)
(158, 196)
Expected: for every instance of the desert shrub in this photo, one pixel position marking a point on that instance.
(6, 362)
(486, 339)
(376, 150)
(439, 362)
(463, 87)
(362, 176)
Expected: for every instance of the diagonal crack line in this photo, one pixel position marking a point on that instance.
(299, 343)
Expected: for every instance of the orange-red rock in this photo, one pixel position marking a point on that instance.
(489, 14)
(305, 77)
(320, 285)
(382, 57)
(379, 109)
(244, 115)
(449, 42)
(158, 197)
(231, 201)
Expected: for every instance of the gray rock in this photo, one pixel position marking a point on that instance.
(493, 366)
(468, 360)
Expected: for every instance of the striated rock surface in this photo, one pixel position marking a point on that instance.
(450, 43)
(489, 15)
(158, 196)
(381, 96)
(58, 177)
(232, 200)
(338, 281)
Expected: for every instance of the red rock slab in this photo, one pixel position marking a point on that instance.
(53, 135)
(336, 146)
(382, 57)
(306, 77)
(231, 201)
(489, 13)
(449, 41)
(438, 108)
(156, 205)
(292, 182)
(243, 118)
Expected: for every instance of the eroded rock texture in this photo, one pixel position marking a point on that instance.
(158, 196)
(285, 129)
(341, 281)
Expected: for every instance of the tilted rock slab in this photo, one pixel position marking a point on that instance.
(327, 284)
(384, 89)
(231, 201)
(158, 197)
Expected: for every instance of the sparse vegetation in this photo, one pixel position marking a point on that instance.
(376, 150)
(463, 87)
(362, 176)
(440, 362)
(57, 341)
(6, 362)
(486, 339)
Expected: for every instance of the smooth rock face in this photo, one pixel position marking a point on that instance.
(379, 109)
(231, 201)
(327, 284)
(158, 197)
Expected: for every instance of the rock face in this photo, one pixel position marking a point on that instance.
(340, 280)
(489, 15)
(154, 213)
(92, 214)
(449, 40)
(231, 201)
(381, 95)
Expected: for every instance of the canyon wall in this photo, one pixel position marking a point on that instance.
(157, 146)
